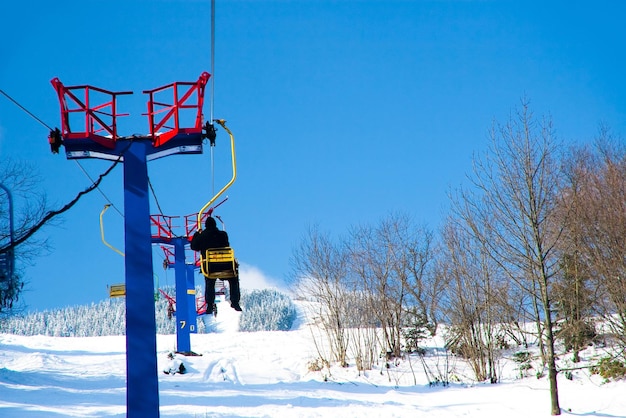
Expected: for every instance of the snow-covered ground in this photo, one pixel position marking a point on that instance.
(266, 374)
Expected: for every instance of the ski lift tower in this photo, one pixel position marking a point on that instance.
(89, 130)
(174, 248)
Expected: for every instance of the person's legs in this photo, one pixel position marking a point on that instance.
(209, 294)
(234, 293)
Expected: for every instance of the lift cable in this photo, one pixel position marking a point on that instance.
(212, 101)
(94, 183)
(212, 58)
(25, 110)
(101, 192)
(69, 205)
(156, 200)
(32, 115)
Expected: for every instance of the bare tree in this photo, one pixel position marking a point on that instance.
(598, 192)
(364, 343)
(31, 214)
(30, 203)
(475, 301)
(415, 267)
(574, 305)
(18, 215)
(390, 264)
(319, 272)
(573, 288)
(371, 262)
(606, 238)
(517, 190)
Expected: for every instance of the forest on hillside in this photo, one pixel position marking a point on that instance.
(265, 310)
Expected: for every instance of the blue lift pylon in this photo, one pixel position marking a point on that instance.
(94, 112)
(186, 308)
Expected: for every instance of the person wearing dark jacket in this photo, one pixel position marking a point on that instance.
(210, 238)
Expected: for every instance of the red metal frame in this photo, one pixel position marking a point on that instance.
(170, 257)
(160, 113)
(163, 229)
(201, 305)
(191, 224)
(94, 113)
(101, 118)
(162, 226)
(191, 221)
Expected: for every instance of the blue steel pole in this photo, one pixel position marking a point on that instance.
(191, 295)
(183, 320)
(142, 387)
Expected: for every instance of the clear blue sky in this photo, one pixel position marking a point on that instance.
(343, 111)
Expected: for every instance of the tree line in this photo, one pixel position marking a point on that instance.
(535, 237)
(265, 310)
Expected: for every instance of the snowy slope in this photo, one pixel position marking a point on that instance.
(265, 374)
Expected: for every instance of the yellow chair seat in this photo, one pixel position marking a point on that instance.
(219, 263)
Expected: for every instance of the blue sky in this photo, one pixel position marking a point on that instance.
(343, 111)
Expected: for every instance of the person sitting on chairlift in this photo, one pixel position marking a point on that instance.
(208, 239)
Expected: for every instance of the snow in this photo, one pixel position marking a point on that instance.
(266, 374)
